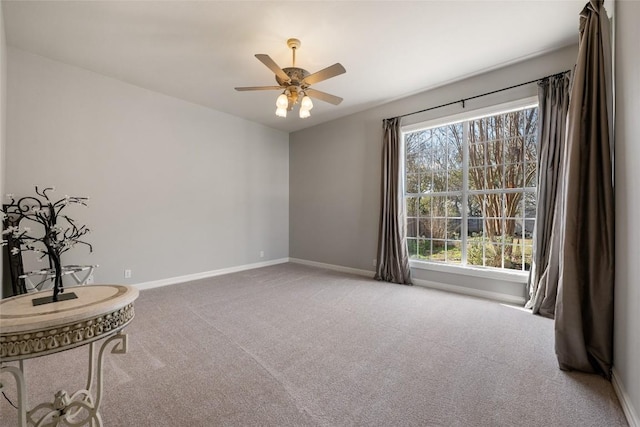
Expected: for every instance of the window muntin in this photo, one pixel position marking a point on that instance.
(470, 190)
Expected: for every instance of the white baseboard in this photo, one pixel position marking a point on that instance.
(495, 296)
(334, 267)
(206, 274)
(625, 400)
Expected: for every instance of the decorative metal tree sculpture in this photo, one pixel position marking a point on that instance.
(59, 232)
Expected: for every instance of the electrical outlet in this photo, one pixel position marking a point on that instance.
(261, 254)
(127, 274)
(375, 262)
(89, 280)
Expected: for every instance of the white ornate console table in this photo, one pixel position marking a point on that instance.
(100, 311)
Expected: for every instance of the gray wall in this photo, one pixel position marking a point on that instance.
(335, 169)
(176, 189)
(627, 302)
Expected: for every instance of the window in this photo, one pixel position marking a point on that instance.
(470, 190)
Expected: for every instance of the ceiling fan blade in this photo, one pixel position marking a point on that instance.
(271, 64)
(327, 73)
(323, 96)
(241, 89)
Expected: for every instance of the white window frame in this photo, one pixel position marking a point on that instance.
(508, 275)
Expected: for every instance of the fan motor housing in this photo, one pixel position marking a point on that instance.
(295, 74)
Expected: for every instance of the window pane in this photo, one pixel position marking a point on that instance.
(440, 181)
(492, 128)
(454, 206)
(476, 178)
(454, 228)
(518, 209)
(439, 204)
(530, 175)
(531, 120)
(455, 146)
(530, 205)
(494, 153)
(493, 177)
(514, 151)
(478, 130)
(476, 202)
(477, 154)
(474, 227)
(455, 180)
(426, 183)
(475, 255)
(412, 163)
(493, 228)
(513, 175)
(412, 183)
(454, 253)
(438, 250)
(493, 205)
(513, 205)
(438, 228)
(512, 257)
(493, 255)
(510, 226)
(519, 232)
(530, 147)
(424, 248)
(528, 251)
(424, 206)
(412, 206)
(529, 225)
(426, 150)
(440, 157)
(424, 229)
(412, 227)
(412, 247)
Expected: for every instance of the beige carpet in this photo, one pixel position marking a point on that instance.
(291, 345)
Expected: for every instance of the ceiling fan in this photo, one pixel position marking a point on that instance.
(296, 83)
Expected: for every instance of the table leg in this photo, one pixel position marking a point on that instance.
(77, 409)
(17, 373)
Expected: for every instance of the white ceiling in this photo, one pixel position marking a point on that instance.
(199, 51)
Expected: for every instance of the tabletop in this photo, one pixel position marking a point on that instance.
(30, 331)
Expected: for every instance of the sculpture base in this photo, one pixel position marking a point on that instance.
(48, 300)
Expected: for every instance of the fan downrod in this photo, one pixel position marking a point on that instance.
(293, 45)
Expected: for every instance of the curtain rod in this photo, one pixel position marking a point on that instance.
(463, 100)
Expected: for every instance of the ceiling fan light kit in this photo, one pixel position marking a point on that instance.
(295, 83)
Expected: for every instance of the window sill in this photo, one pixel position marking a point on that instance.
(507, 276)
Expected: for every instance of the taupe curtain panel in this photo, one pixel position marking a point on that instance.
(584, 308)
(553, 104)
(392, 260)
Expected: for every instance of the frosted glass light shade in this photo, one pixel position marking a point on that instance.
(306, 103)
(304, 113)
(282, 102)
(281, 112)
